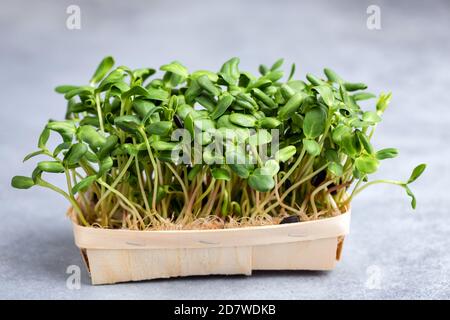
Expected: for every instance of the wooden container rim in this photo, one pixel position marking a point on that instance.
(98, 238)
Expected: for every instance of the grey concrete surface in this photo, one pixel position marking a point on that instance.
(392, 252)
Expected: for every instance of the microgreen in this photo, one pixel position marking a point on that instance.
(137, 150)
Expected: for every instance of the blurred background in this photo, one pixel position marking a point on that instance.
(392, 251)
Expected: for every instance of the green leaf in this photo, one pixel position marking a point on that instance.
(332, 155)
(261, 83)
(103, 68)
(269, 123)
(135, 91)
(246, 79)
(363, 96)
(246, 101)
(239, 162)
(277, 64)
(208, 86)
(286, 111)
(326, 93)
(383, 102)
(336, 169)
(142, 107)
(194, 171)
(264, 98)
(193, 91)
(243, 120)
(347, 100)
(91, 136)
(204, 124)
(241, 170)
(176, 68)
(157, 94)
(274, 76)
(366, 164)
(206, 101)
(354, 86)
(332, 76)
(90, 121)
(143, 73)
(211, 156)
(129, 149)
(292, 72)
(50, 166)
(43, 138)
(364, 141)
(150, 114)
(260, 137)
(189, 125)
(417, 172)
(160, 128)
(104, 166)
(128, 123)
(65, 88)
(297, 85)
(211, 75)
(75, 154)
(386, 153)
(165, 145)
(90, 156)
(84, 184)
(220, 174)
(314, 123)
(260, 181)
(60, 147)
(66, 129)
(36, 175)
(114, 78)
(312, 147)
(271, 167)
(314, 80)
(79, 91)
(184, 110)
(21, 182)
(285, 153)
(107, 147)
(224, 122)
(350, 144)
(263, 69)
(225, 101)
(287, 91)
(33, 154)
(230, 71)
(371, 116)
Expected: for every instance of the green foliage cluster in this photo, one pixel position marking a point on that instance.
(124, 169)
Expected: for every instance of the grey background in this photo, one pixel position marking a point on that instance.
(408, 251)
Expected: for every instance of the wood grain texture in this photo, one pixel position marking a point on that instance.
(96, 238)
(122, 255)
(120, 265)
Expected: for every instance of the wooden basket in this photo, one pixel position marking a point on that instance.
(124, 255)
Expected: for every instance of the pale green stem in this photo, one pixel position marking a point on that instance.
(357, 191)
(207, 191)
(155, 168)
(313, 195)
(124, 199)
(114, 184)
(183, 187)
(141, 185)
(99, 112)
(72, 200)
(294, 186)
